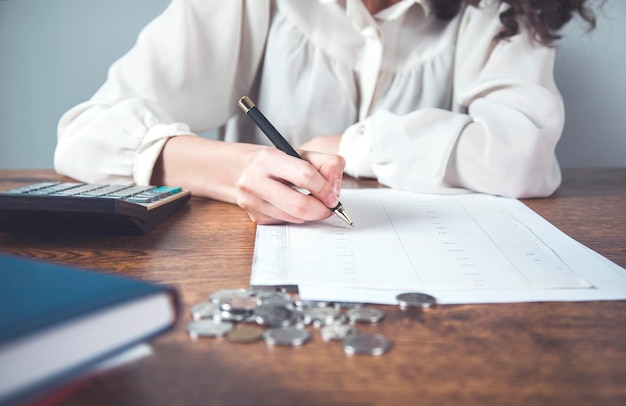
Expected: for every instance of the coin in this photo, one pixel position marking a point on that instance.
(224, 295)
(305, 304)
(415, 299)
(245, 334)
(274, 315)
(278, 298)
(286, 336)
(223, 316)
(321, 316)
(239, 304)
(204, 310)
(336, 331)
(365, 314)
(365, 343)
(258, 290)
(347, 305)
(208, 328)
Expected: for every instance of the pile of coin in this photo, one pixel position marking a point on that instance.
(277, 316)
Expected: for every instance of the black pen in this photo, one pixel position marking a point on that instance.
(272, 133)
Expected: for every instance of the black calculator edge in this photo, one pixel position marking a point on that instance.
(108, 216)
(63, 204)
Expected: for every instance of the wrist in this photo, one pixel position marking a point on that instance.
(209, 168)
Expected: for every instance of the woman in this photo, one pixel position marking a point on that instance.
(437, 96)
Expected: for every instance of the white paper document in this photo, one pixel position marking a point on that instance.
(470, 248)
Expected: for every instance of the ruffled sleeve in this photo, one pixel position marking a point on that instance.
(184, 74)
(498, 137)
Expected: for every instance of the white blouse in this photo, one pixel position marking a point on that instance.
(423, 104)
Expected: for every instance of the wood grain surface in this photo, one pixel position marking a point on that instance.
(497, 354)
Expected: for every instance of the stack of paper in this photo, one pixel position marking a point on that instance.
(470, 248)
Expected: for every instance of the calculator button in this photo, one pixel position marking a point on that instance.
(58, 187)
(36, 186)
(30, 188)
(39, 192)
(140, 189)
(140, 198)
(104, 191)
(167, 189)
(76, 190)
(121, 194)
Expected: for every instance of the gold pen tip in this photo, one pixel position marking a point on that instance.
(246, 104)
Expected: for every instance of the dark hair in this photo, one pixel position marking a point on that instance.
(545, 18)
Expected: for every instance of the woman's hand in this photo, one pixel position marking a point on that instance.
(259, 179)
(265, 188)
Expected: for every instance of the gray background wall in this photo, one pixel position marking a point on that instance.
(55, 54)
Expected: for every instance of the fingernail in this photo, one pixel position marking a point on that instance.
(332, 200)
(337, 187)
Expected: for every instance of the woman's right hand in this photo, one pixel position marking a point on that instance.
(267, 187)
(261, 180)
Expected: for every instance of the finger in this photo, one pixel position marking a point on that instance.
(263, 212)
(262, 195)
(282, 202)
(267, 175)
(305, 176)
(331, 168)
(263, 219)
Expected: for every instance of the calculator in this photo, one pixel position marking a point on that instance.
(82, 207)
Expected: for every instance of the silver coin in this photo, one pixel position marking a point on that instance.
(261, 289)
(415, 299)
(347, 305)
(204, 310)
(261, 292)
(274, 315)
(239, 304)
(278, 298)
(297, 320)
(336, 331)
(306, 304)
(366, 343)
(321, 316)
(224, 295)
(208, 328)
(286, 336)
(365, 314)
(223, 316)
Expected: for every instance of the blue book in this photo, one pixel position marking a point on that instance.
(57, 322)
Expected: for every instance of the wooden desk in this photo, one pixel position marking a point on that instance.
(504, 354)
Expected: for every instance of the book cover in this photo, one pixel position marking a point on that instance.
(58, 321)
